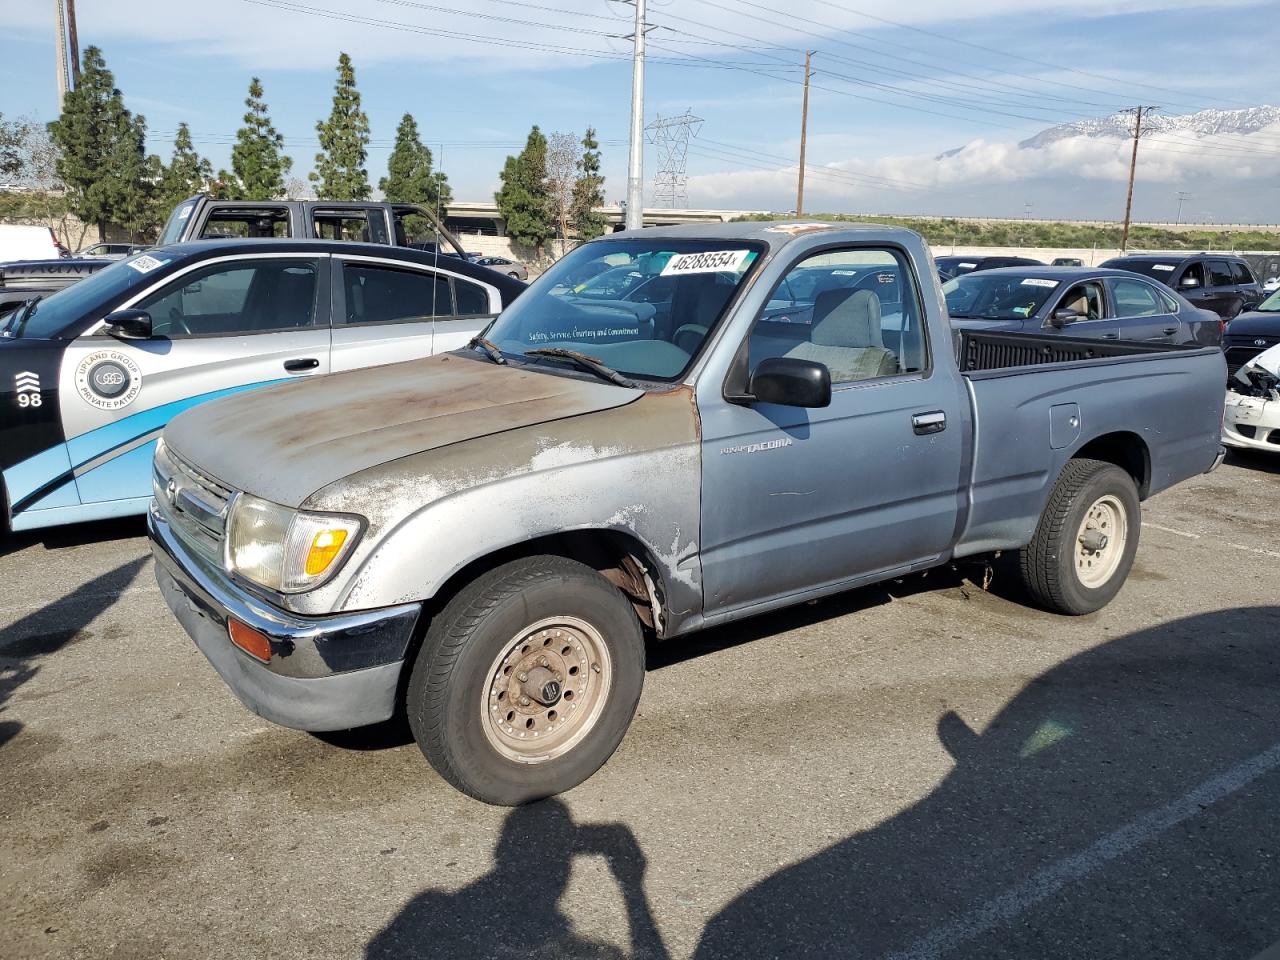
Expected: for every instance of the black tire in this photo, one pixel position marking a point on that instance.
(514, 275)
(1048, 563)
(449, 684)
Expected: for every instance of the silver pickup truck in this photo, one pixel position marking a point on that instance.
(764, 414)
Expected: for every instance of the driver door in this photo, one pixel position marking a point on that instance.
(217, 329)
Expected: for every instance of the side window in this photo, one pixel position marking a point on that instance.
(1169, 304)
(853, 310)
(1135, 299)
(236, 299)
(472, 299)
(1242, 273)
(377, 294)
(356, 224)
(256, 223)
(1085, 299)
(1220, 274)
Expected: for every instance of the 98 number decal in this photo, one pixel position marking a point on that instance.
(30, 400)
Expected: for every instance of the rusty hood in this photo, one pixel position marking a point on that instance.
(285, 442)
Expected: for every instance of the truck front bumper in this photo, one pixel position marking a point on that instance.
(325, 673)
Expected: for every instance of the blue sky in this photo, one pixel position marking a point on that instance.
(886, 99)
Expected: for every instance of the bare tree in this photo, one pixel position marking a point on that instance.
(563, 153)
(41, 197)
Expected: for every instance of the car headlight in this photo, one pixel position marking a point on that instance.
(287, 550)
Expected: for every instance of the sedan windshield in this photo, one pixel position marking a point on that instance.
(996, 296)
(645, 317)
(51, 316)
(1271, 304)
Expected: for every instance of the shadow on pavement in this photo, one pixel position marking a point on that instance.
(1126, 803)
(513, 911)
(50, 628)
(74, 534)
(1254, 460)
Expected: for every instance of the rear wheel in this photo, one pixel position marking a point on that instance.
(1085, 542)
(527, 680)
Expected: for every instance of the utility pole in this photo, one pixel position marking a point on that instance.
(74, 43)
(1133, 168)
(804, 133)
(635, 165)
(60, 25)
(1181, 197)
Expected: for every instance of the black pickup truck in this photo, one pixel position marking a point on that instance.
(402, 224)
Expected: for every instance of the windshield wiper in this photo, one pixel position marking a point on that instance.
(22, 314)
(590, 364)
(488, 348)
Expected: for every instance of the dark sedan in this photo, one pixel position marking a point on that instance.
(1077, 302)
(955, 266)
(1251, 333)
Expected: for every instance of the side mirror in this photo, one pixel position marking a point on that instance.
(129, 324)
(791, 382)
(1188, 283)
(1062, 316)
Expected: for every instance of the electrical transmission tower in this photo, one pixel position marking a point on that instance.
(671, 136)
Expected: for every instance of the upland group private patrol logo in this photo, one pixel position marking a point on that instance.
(108, 379)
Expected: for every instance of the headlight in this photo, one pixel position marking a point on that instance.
(284, 549)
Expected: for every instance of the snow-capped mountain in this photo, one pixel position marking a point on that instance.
(1205, 123)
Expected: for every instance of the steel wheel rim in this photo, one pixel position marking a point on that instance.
(521, 727)
(1100, 541)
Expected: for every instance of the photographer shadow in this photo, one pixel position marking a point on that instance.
(513, 911)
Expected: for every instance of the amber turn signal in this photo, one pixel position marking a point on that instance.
(249, 640)
(325, 545)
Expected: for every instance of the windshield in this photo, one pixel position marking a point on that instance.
(1271, 304)
(177, 221)
(51, 316)
(646, 318)
(996, 296)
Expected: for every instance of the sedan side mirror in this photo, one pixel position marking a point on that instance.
(1062, 316)
(791, 382)
(129, 324)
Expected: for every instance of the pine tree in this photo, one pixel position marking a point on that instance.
(344, 137)
(588, 190)
(523, 199)
(103, 161)
(186, 173)
(409, 176)
(257, 163)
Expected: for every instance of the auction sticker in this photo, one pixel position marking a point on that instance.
(108, 379)
(1037, 282)
(146, 263)
(710, 261)
(1162, 266)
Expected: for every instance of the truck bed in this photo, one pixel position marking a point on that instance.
(1037, 401)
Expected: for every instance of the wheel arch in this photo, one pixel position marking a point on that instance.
(1126, 450)
(618, 556)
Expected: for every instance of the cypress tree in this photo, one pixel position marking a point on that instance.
(103, 161)
(340, 173)
(257, 162)
(524, 200)
(186, 173)
(410, 178)
(588, 190)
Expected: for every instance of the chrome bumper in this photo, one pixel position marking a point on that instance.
(1217, 461)
(325, 673)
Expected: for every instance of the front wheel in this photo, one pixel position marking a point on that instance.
(1085, 542)
(527, 680)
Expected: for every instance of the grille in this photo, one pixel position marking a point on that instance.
(1240, 350)
(194, 502)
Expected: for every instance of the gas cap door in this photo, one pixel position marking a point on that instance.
(1064, 425)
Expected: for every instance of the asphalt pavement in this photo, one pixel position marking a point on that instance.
(921, 769)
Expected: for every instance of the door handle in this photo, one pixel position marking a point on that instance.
(1111, 336)
(1170, 331)
(301, 364)
(935, 421)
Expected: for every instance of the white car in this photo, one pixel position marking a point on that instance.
(22, 242)
(1271, 285)
(1251, 420)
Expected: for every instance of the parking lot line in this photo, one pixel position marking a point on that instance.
(1049, 880)
(1178, 533)
(1260, 550)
